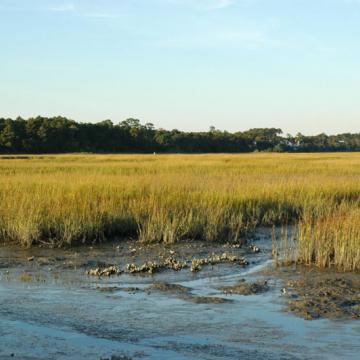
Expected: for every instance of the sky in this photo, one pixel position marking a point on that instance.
(184, 64)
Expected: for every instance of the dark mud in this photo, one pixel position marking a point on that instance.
(171, 288)
(245, 288)
(314, 294)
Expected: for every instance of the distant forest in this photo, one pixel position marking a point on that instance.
(61, 135)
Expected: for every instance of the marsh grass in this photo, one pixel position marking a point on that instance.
(331, 238)
(285, 245)
(72, 199)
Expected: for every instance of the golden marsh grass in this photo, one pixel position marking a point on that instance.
(71, 199)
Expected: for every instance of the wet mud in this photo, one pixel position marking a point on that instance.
(186, 294)
(314, 294)
(102, 302)
(245, 288)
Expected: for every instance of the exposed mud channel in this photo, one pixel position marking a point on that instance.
(185, 301)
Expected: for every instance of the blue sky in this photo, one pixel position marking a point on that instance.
(186, 64)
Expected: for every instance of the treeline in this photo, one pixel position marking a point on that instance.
(61, 135)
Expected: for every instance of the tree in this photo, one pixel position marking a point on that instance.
(59, 135)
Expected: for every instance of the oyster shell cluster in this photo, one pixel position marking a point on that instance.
(171, 263)
(197, 264)
(108, 271)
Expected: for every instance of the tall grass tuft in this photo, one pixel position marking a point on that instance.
(331, 238)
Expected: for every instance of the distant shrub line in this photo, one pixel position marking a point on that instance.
(61, 135)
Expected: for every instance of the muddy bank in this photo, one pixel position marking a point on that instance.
(313, 294)
(129, 255)
(331, 296)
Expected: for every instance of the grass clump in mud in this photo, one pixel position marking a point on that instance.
(331, 239)
(326, 238)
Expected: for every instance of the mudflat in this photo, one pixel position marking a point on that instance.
(224, 310)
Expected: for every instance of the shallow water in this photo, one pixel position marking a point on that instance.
(64, 314)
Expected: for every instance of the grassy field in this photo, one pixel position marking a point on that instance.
(71, 199)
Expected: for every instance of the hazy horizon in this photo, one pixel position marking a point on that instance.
(184, 64)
